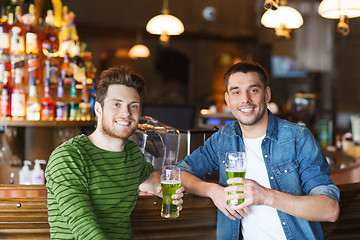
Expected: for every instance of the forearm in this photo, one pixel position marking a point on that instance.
(195, 185)
(309, 207)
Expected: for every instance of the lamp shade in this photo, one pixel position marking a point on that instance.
(333, 9)
(284, 16)
(165, 23)
(139, 51)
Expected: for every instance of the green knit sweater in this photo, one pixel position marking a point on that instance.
(91, 191)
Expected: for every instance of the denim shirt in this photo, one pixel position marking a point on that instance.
(294, 162)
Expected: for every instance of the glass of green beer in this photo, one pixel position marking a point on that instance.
(170, 181)
(235, 166)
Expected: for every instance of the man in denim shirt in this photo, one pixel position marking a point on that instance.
(287, 188)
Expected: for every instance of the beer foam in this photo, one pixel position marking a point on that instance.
(170, 182)
(235, 170)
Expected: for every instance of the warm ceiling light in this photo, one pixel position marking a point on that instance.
(284, 19)
(139, 51)
(165, 24)
(342, 10)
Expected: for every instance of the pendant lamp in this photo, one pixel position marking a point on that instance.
(342, 10)
(139, 50)
(165, 25)
(283, 20)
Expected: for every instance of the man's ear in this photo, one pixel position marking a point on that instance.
(98, 109)
(268, 94)
(227, 99)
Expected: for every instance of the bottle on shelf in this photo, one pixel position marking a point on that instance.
(50, 38)
(4, 33)
(37, 175)
(92, 99)
(5, 97)
(51, 68)
(31, 33)
(73, 106)
(78, 65)
(32, 104)
(85, 110)
(4, 65)
(47, 111)
(18, 98)
(17, 36)
(65, 69)
(32, 42)
(25, 173)
(10, 6)
(65, 32)
(61, 105)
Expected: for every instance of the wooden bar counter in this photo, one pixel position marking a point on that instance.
(23, 213)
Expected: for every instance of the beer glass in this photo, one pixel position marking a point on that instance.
(170, 181)
(235, 166)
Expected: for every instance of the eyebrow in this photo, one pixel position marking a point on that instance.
(250, 86)
(121, 100)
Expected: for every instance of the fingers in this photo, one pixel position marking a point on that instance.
(236, 180)
(180, 190)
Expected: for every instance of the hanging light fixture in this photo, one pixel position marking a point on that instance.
(283, 20)
(271, 4)
(165, 25)
(139, 50)
(342, 10)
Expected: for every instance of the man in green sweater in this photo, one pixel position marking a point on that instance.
(93, 181)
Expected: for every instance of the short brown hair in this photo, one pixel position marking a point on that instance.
(122, 75)
(246, 67)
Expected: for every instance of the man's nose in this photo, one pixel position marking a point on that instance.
(245, 98)
(124, 111)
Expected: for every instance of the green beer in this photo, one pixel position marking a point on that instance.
(168, 209)
(232, 173)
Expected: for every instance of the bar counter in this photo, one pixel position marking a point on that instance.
(23, 213)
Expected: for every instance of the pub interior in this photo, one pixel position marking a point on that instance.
(313, 78)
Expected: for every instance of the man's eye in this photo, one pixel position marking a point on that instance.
(236, 93)
(134, 106)
(254, 90)
(116, 104)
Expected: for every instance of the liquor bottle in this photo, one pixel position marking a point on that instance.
(4, 65)
(78, 65)
(10, 8)
(92, 99)
(85, 110)
(18, 101)
(4, 33)
(51, 69)
(5, 97)
(32, 104)
(50, 39)
(47, 111)
(34, 66)
(65, 32)
(65, 70)
(17, 36)
(31, 33)
(73, 106)
(61, 106)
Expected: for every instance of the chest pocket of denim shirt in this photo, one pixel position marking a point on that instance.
(288, 178)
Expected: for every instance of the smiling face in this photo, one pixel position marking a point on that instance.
(119, 117)
(247, 99)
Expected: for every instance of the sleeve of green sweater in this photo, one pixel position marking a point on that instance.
(66, 181)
